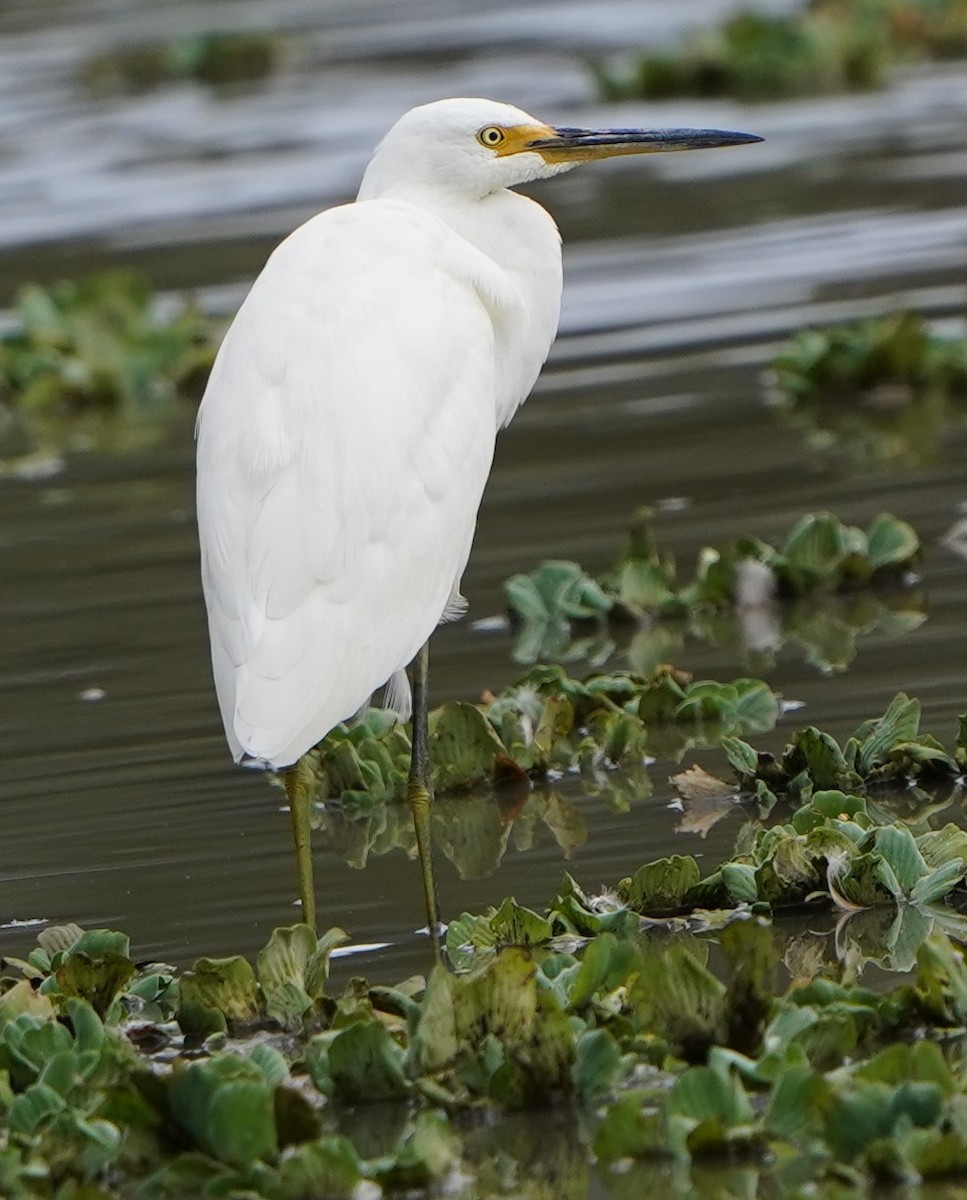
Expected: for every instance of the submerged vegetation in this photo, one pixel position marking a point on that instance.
(827, 46)
(827, 583)
(885, 389)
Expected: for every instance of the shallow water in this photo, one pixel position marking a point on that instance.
(121, 806)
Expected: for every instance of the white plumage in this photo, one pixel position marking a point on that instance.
(348, 427)
(345, 439)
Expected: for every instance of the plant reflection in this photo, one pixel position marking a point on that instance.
(472, 829)
(884, 392)
(826, 587)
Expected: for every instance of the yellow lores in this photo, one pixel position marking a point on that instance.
(344, 444)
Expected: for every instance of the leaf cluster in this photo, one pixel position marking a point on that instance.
(821, 556)
(664, 1058)
(838, 846)
(886, 389)
(833, 850)
(544, 722)
(215, 58)
(886, 750)
(100, 352)
(893, 350)
(828, 46)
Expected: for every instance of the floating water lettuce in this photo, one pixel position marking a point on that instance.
(99, 359)
(656, 1012)
(495, 763)
(546, 721)
(217, 58)
(815, 588)
(886, 390)
(890, 749)
(665, 1058)
(826, 46)
(832, 850)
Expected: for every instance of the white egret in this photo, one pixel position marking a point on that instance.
(348, 427)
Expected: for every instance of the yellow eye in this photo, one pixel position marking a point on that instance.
(491, 136)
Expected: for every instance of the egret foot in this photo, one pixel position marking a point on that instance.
(299, 783)
(419, 794)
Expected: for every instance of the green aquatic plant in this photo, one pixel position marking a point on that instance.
(888, 750)
(99, 359)
(546, 721)
(826, 46)
(885, 390)
(235, 1077)
(824, 585)
(495, 764)
(659, 1056)
(216, 58)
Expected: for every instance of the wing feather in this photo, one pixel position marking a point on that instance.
(343, 446)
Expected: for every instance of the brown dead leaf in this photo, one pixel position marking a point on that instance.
(707, 799)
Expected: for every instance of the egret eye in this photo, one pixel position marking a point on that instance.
(491, 136)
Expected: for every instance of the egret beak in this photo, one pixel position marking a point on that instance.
(586, 145)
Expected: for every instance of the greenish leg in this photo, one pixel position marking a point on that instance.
(299, 783)
(418, 791)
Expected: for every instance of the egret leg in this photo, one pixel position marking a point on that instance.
(299, 784)
(418, 791)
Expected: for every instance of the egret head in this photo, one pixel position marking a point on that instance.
(474, 147)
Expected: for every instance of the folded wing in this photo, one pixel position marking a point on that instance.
(343, 446)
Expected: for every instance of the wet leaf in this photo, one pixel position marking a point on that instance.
(97, 980)
(661, 885)
(463, 746)
(815, 547)
(679, 999)
(504, 1034)
(818, 753)
(632, 1127)
(292, 971)
(800, 1098)
(606, 964)
(597, 1065)
(517, 926)
(24, 998)
(941, 986)
(217, 994)
(900, 723)
(708, 1110)
(328, 1169)
(270, 1062)
(892, 542)
(697, 784)
(742, 757)
(365, 1063)
(225, 1106)
(428, 1150)
(899, 851)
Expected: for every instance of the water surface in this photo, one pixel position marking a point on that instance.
(120, 804)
